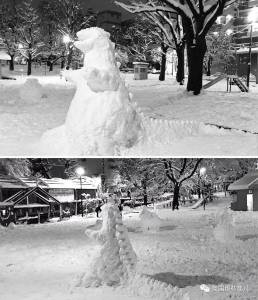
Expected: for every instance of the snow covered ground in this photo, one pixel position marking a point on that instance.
(42, 261)
(24, 120)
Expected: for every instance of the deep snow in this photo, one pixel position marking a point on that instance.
(23, 123)
(42, 261)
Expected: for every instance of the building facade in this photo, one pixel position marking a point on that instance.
(245, 193)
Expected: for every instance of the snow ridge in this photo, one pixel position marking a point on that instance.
(145, 286)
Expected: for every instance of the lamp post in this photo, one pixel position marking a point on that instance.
(80, 171)
(66, 41)
(201, 173)
(252, 17)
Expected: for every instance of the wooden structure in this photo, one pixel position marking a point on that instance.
(10, 185)
(33, 199)
(32, 205)
(140, 70)
(234, 80)
(70, 192)
(245, 193)
(3, 58)
(6, 214)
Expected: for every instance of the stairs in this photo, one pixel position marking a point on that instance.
(214, 81)
(240, 84)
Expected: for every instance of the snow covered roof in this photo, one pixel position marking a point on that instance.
(165, 195)
(32, 182)
(23, 194)
(32, 205)
(4, 56)
(248, 181)
(10, 182)
(74, 183)
(246, 50)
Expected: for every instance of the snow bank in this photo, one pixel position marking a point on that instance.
(31, 91)
(149, 220)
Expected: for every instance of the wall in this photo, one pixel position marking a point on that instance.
(240, 204)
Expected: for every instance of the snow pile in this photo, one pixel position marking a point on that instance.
(101, 119)
(12, 226)
(224, 230)
(116, 260)
(31, 91)
(149, 220)
(2, 229)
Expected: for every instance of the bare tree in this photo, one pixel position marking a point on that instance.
(29, 33)
(178, 171)
(15, 166)
(197, 18)
(71, 18)
(9, 24)
(169, 31)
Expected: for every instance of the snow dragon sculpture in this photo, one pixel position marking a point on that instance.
(116, 260)
(101, 118)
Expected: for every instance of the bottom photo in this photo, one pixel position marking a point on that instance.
(128, 228)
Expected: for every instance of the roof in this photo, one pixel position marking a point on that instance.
(10, 182)
(86, 183)
(33, 181)
(248, 181)
(4, 56)
(5, 204)
(165, 195)
(246, 50)
(38, 191)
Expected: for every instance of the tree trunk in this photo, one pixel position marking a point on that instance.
(29, 61)
(180, 73)
(145, 197)
(62, 64)
(195, 54)
(11, 65)
(51, 66)
(175, 202)
(199, 192)
(162, 74)
(69, 58)
(209, 63)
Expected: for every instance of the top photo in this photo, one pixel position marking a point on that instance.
(128, 78)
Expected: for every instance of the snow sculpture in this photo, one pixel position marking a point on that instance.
(31, 91)
(101, 119)
(149, 220)
(224, 231)
(116, 260)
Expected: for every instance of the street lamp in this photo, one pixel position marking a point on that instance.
(229, 31)
(201, 173)
(252, 17)
(80, 171)
(66, 39)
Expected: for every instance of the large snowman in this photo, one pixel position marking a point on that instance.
(101, 118)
